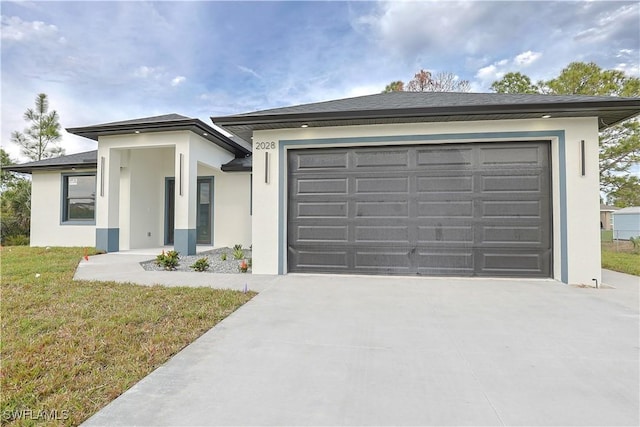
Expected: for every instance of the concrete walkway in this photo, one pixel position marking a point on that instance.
(124, 267)
(335, 350)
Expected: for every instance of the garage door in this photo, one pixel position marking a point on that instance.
(480, 209)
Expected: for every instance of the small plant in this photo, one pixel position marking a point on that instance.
(243, 267)
(169, 260)
(238, 253)
(201, 265)
(223, 256)
(635, 241)
(237, 247)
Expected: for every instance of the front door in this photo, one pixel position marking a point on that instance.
(204, 211)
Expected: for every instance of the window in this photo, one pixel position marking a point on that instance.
(79, 198)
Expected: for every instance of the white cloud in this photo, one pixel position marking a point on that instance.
(178, 80)
(249, 71)
(526, 58)
(495, 71)
(16, 29)
(145, 72)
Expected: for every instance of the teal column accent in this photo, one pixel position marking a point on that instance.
(184, 241)
(108, 239)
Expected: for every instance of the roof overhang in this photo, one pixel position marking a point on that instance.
(26, 168)
(193, 125)
(608, 113)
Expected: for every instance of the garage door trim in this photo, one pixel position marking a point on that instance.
(559, 200)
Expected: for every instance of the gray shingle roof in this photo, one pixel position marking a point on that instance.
(406, 107)
(167, 122)
(87, 160)
(240, 164)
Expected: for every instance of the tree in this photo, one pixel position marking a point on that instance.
(39, 141)
(15, 204)
(619, 144)
(397, 86)
(7, 178)
(15, 212)
(425, 81)
(514, 83)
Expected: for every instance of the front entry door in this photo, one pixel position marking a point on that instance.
(204, 211)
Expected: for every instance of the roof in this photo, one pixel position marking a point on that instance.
(240, 164)
(607, 208)
(85, 160)
(408, 107)
(628, 211)
(167, 122)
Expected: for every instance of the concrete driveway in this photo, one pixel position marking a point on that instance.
(333, 350)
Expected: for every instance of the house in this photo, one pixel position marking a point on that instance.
(165, 180)
(443, 184)
(606, 217)
(626, 223)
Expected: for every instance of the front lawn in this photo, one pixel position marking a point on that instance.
(69, 348)
(619, 255)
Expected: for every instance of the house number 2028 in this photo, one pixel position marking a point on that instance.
(266, 145)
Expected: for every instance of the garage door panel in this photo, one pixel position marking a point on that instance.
(445, 209)
(382, 234)
(451, 209)
(387, 259)
(322, 186)
(511, 183)
(510, 156)
(317, 260)
(446, 262)
(513, 262)
(382, 185)
(381, 158)
(444, 184)
(306, 161)
(511, 209)
(519, 235)
(445, 233)
(319, 233)
(445, 158)
(321, 210)
(382, 209)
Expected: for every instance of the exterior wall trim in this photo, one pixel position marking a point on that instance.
(446, 137)
(108, 239)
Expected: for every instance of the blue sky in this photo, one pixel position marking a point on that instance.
(108, 61)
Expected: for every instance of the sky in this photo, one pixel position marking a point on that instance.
(106, 61)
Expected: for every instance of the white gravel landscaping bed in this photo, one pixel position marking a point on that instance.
(216, 264)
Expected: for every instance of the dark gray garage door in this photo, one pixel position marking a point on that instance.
(451, 209)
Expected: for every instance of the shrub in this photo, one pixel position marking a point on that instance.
(17, 240)
(635, 241)
(243, 267)
(169, 260)
(238, 253)
(223, 256)
(237, 247)
(201, 265)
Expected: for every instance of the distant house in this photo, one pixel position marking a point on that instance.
(606, 218)
(430, 184)
(626, 223)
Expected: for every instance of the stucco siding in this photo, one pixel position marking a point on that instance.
(46, 205)
(576, 257)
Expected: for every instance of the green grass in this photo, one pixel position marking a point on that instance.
(620, 256)
(70, 347)
(606, 235)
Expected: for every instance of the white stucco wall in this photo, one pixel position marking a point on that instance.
(145, 161)
(46, 205)
(579, 220)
